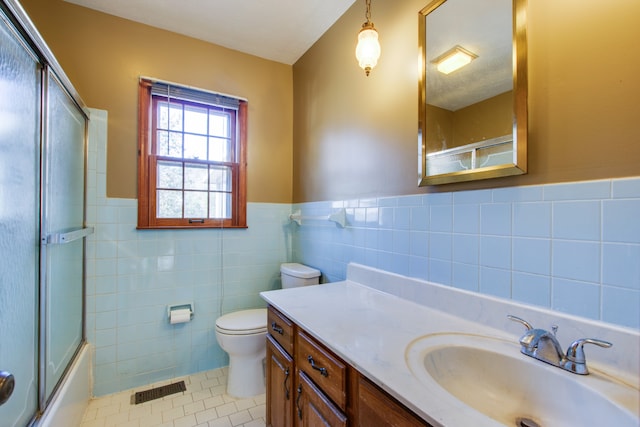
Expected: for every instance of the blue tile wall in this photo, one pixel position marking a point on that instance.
(132, 275)
(571, 247)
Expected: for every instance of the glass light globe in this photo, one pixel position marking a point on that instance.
(368, 48)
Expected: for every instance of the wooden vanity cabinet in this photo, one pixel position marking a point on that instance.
(308, 385)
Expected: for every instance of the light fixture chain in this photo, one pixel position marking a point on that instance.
(368, 13)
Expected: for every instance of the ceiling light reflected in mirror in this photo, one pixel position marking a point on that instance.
(454, 59)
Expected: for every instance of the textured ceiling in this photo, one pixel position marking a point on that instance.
(279, 30)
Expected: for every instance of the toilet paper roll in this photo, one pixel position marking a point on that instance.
(179, 316)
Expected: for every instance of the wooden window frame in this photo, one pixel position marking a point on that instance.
(147, 218)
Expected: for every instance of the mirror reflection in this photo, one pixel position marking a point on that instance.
(472, 90)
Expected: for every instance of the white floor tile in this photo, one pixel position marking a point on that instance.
(204, 404)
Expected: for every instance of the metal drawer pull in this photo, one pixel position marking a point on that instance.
(323, 371)
(286, 389)
(298, 401)
(277, 328)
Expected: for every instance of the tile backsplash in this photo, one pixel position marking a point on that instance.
(570, 247)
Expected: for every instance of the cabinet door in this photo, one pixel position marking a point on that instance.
(279, 386)
(313, 408)
(377, 408)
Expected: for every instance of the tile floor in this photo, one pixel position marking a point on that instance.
(204, 404)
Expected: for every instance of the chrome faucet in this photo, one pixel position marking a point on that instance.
(544, 346)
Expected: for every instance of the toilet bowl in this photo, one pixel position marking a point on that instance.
(242, 334)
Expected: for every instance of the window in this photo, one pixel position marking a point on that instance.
(192, 161)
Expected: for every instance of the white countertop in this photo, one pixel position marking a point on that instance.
(371, 331)
(346, 316)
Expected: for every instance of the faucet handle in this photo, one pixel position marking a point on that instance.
(519, 320)
(575, 352)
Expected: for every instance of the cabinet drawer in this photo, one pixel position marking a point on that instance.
(325, 369)
(281, 329)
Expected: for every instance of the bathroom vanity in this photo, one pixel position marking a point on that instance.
(383, 349)
(307, 384)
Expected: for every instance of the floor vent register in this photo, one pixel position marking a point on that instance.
(158, 392)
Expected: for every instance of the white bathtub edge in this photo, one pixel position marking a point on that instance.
(68, 406)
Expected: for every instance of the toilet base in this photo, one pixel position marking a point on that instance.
(246, 376)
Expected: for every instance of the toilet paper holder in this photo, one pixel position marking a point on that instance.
(187, 306)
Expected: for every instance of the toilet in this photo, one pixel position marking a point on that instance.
(242, 335)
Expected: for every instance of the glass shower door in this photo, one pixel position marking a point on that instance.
(62, 223)
(19, 224)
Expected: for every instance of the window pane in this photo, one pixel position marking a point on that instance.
(195, 147)
(163, 115)
(220, 178)
(169, 175)
(175, 145)
(219, 150)
(196, 177)
(162, 143)
(219, 205)
(218, 124)
(175, 117)
(195, 204)
(169, 204)
(195, 119)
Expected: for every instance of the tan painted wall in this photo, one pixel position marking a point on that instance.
(484, 120)
(103, 56)
(356, 136)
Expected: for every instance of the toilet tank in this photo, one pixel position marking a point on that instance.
(295, 275)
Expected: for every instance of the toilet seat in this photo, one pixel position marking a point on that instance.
(244, 322)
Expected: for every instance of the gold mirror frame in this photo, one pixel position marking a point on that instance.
(519, 133)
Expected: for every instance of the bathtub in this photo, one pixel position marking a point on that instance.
(70, 402)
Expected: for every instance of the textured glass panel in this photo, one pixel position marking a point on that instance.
(19, 212)
(64, 198)
(169, 175)
(195, 119)
(195, 147)
(175, 117)
(220, 205)
(195, 204)
(169, 204)
(64, 308)
(219, 150)
(175, 145)
(450, 163)
(163, 116)
(218, 124)
(220, 178)
(196, 177)
(495, 155)
(65, 165)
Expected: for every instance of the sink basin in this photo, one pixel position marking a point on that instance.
(489, 377)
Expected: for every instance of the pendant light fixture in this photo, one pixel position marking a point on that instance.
(368, 48)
